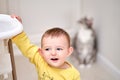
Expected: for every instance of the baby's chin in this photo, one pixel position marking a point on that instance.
(59, 66)
(55, 66)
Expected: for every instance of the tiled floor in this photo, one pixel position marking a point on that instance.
(26, 71)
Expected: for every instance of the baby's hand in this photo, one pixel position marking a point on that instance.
(17, 17)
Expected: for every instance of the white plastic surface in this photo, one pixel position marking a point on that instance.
(9, 27)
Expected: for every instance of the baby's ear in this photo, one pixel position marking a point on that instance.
(39, 50)
(70, 51)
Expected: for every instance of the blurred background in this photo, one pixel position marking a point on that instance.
(40, 15)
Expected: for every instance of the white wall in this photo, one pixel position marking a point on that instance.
(3, 6)
(39, 15)
(106, 15)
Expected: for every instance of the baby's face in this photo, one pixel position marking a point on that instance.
(55, 50)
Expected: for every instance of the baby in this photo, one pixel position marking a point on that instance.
(50, 59)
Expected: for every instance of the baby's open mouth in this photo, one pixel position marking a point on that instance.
(54, 59)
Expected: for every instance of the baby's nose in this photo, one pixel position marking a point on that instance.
(53, 53)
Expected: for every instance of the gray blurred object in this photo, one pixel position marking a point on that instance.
(84, 43)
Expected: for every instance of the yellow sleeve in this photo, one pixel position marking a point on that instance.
(23, 43)
(77, 78)
(76, 74)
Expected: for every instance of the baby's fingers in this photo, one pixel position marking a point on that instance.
(17, 17)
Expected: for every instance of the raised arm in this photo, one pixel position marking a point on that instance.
(23, 43)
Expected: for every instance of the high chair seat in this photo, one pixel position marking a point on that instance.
(9, 26)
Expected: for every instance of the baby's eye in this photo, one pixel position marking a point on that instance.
(47, 49)
(59, 49)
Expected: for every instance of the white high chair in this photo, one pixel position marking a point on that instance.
(9, 27)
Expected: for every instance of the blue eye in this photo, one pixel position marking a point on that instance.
(59, 49)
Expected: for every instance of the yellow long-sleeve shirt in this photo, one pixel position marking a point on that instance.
(45, 72)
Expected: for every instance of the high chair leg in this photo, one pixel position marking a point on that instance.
(10, 48)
